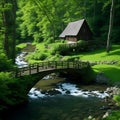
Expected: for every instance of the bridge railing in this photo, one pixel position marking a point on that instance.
(50, 65)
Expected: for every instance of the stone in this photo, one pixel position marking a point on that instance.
(105, 115)
(101, 79)
(113, 91)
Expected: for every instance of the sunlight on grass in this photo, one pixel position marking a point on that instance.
(22, 45)
(96, 55)
(110, 71)
(101, 55)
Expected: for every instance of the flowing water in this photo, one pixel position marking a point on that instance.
(58, 99)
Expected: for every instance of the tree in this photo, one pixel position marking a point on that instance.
(44, 20)
(8, 17)
(110, 26)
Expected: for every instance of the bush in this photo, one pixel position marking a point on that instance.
(66, 49)
(4, 90)
(82, 46)
(42, 56)
(114, 116)
(62, 49)
(5, 64)
(56, 57)
(37, 56)
(116, 98)
(12, 90)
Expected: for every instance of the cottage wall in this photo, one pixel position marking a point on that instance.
(71, 38)
(84, 33)
(78, 30)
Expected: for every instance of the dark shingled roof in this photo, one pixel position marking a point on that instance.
(72, 28)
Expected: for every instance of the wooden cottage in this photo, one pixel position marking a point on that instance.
(78, 30)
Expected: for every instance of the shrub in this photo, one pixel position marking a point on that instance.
(39, 56)
(82, 46)
(4, 90)
(66, 49)
(12, 90)
(116, 98)
(36, 56)
(42, 56)
(5, 64)
(62, 49)
(56, 57)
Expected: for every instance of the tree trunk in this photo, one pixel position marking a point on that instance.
(95, 7)
(5, 41)
(13, 51)
(110, 26)
(9, 19)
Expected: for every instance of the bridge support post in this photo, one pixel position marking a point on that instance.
(56, 64)
(16, 73)
(67, 64)
(29, 69)
(37, 68)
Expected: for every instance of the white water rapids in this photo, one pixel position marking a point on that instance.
(62, 88)
(67, 89)
(19, 61)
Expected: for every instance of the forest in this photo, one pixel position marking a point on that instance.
(42, 21)
(36, 20)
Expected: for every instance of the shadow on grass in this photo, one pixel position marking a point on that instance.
(112, 72)
(97, 51)
(115, 52)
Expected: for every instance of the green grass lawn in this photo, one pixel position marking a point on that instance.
(96, 55)
(21, 46)
(101, 55)
(110, 71)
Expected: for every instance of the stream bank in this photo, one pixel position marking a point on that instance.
(65, 99)
(59, 99)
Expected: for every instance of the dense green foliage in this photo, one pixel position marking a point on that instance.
(93, 54)
(13, 91)
(116, 98)
(5, 63)
(8, 27)
(44, 20)
(114, 116)
(67, 49)
(8, 90)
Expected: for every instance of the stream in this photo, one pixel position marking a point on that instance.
(58, 99)
(55, 98)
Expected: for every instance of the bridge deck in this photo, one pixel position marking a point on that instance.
(51, 65)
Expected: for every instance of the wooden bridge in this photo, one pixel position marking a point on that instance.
(49, 66)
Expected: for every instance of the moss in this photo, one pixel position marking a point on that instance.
(114, 116)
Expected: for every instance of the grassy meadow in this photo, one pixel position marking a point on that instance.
(45, 52)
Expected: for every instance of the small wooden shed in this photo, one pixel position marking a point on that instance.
(77, 30)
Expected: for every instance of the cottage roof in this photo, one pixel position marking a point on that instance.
(72, 28)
